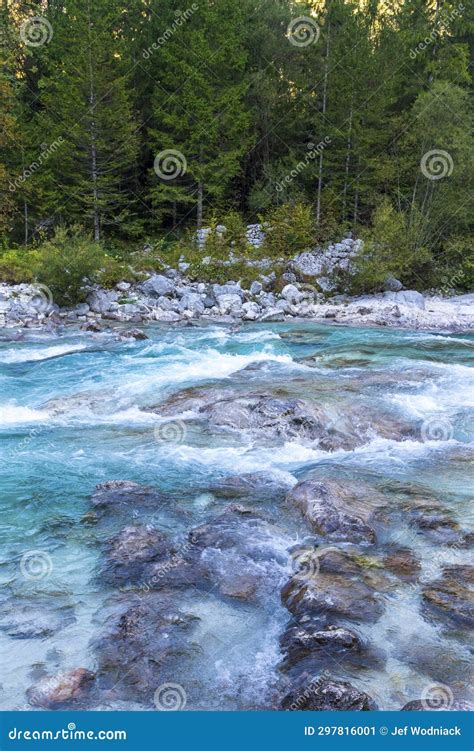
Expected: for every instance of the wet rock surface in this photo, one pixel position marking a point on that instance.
(62, 690)
(336, 584)
(142, 639)
(328, 508)
(451, 596)
(326, 695)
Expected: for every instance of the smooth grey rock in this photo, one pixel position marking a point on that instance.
(317, 695)
(292, 294)
(227, 289)
(230, 303)
(251, 311)
(407, 297)
(123, 286)
(157, 285)
(272, 315)
(392, 285)
(192, 301)
(256, 288)
(101, 301)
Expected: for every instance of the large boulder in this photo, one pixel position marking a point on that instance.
(331, 583)
(227, 289)
(451, 597)
(230, 303)
(292, 294)
(157, 285)
(328, 507)
(407, 297)
(130, 551)
(101, 301)
(192, 302)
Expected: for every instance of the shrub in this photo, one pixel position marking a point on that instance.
(455, 268)
(290, 229)
(17, 266)
(67, 264)
(392, 247)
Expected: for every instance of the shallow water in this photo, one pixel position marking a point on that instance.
(77, 410)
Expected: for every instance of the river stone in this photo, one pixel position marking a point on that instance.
(251, 311)
(128, 552)
(157, 285)
(37, 617)
(452, 596)
(317, 695)
(61, 689)
(230, 303)
(101, 301)
(435, 522)
(292, 294)
(392, 285)
(403, 563)
(407, 297)
(272, 315)
(144, 638)
(227, 289)
(134, 334)
(255, 288)
(309, 638)
(335, 584)
(192, 301)
(125, 495)
(427, 705)
(251, 485)
(326, 506)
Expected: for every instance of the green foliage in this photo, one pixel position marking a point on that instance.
(16, 266)
(390, 248)
(290, 229)
(67, 264)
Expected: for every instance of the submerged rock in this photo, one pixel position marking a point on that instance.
(319, 695)
(403, 563)
(326, 506)
(427, 705)
(141, 645)
(452, 596)
(308, 637)
(128, 553)
(251, 485)
(123, 494)
(37, 617)
(61, 690)
(337, 584)
(436, 522)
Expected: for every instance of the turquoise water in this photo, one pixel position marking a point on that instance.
(80, 409)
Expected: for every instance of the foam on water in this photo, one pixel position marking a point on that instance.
(34, 354)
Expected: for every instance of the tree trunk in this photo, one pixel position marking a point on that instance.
(325, 90)
(348, 159)
(25, 213)
(93, 148)
(200, 202)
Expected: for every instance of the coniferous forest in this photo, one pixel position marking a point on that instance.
(139, 121)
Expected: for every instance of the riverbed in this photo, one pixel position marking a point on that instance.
(390, 412)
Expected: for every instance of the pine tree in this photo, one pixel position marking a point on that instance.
(199, 110)
(86, 105)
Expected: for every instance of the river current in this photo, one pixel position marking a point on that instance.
(80, 409)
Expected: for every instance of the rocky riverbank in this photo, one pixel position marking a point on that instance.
(171, 298)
